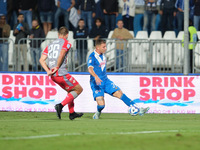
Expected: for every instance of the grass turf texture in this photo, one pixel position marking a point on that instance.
(112, 132)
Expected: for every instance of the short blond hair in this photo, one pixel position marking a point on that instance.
(63, 31)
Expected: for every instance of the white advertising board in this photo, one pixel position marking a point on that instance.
(163, 94)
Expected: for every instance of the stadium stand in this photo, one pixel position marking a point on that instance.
(11, 49)
(197, 52)
(142, 35)
(157, 49)
(90, 47)
(110, 55)
(139, 51)
(169, 35)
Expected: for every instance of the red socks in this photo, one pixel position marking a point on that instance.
(70, 101)
(71, 107)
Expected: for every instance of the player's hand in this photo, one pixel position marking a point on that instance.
(49, 73)
(54, 69)
(98, 80)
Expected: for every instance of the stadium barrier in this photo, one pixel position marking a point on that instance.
(139, 55)
(5, 45)
(162, 93)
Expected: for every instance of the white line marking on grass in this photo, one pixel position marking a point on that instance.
(72, 134)
(30, 137)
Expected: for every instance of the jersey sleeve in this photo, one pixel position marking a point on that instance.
(66, 46)
(45, 52)
(90, 62)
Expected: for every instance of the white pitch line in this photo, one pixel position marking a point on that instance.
(30, 137)
(71, 134)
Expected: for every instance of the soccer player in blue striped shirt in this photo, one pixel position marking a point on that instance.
(100, 83)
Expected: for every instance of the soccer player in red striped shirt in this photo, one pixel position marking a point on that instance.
(56, 67)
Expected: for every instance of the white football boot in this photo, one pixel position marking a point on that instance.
(143, 111)
(96, 115)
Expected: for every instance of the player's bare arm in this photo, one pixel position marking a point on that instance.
(44, 65)
(97, 79)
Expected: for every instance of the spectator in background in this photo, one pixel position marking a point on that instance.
(196, 14)
(12, 12)
(121, 35)
(139, 13)
(80, 34)
(4, 33)
(98, 10)
(193, 39)
(36, 32)
(87, 10)
(128, 13)
(180, 15)
(98, 30)
(26, 8)
(3, 7)
(63, 8)
(110, 11)
(46, 8)
(150, 15)
(180, 12)
(167, 11)
(21, 30)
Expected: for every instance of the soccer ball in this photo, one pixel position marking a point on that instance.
(133, 111)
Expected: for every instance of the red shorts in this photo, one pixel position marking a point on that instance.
(67, 82)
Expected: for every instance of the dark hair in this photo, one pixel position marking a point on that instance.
(20, 14)
(81, 20)
(99, 19)
(99, 42)
(63, 31)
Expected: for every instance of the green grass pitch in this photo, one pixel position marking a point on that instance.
(43, 131)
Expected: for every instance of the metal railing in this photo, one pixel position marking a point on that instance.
(138, 55)
(6, 60)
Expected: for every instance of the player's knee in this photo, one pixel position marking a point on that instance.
(118, 94)
(80, 90)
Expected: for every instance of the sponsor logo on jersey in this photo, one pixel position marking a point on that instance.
(97, 91)
(68, 46)
(102, 65)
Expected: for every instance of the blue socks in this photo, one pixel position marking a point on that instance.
(127, 100)
(100, 107)
(124, 98)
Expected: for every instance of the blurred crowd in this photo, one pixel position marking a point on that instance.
(137, 15)
(88, 18)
